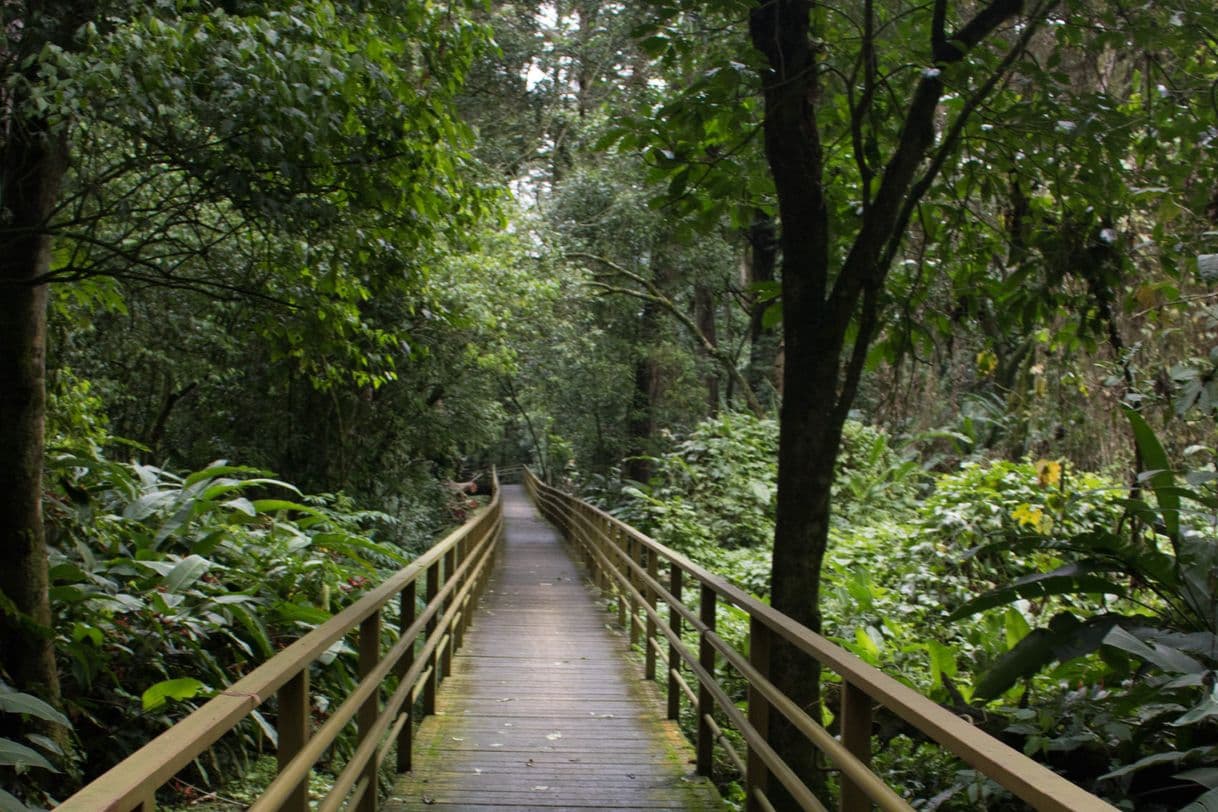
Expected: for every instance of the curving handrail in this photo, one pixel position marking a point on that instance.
(453, 573)
(628, 564)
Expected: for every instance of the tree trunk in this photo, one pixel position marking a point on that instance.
(704, 314)
(641, 422)
(33, 162)
(763, 341)
(807, 445)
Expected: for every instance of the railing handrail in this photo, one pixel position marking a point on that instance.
(610, 548)
(132, 783)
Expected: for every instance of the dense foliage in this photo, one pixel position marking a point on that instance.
(966, 251)
(1065, 617)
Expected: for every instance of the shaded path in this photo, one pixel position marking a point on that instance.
(543, 710)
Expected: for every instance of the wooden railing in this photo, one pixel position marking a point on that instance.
(431, 626)
(642, 575)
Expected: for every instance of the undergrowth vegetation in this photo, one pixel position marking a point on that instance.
(168, 586)
(1071, 618)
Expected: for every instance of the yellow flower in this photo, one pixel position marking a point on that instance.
(1048, 473)
(1032, 517)
(987, 363)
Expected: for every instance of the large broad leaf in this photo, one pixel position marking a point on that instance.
(1203, 711)
(162, 692)
(1158, 471)
(1159, 759)
(1064, 639)
(301, 613)
(13, 754)
(14, 702)
(1070, 579)
(186, 572)
(9, 803)
(217, 469)
(276, 505)
(1205, 776)
(1166, 658)
(1206, 803)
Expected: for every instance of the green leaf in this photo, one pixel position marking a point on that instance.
(1070, 579)
(242, 505)
(1206, 803)
(14, 702)
(180, 688)
(942, 661)
(267, 728)
(1064, 639)
(301, 613)
(218, 469)
(13, 754)
(1153, 760)
(186, 572)
(1016, 627)
(276, 505)
(9, 803)
(1167, 659)
(1207, 708)
(1157, 469)
(1205, 776)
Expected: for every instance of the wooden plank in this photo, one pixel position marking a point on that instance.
(543, 709)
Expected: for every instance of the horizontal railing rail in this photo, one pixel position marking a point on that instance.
(642, 576)
(511, 473)
(452, 574)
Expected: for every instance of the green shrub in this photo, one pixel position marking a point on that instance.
(167, 588)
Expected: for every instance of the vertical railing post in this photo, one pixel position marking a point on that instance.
(406, 616)
(757, 774)
(856, 736)
(675, 576)
(649, 660)
(293, 730)
(459, 553)
(369, 656)
(602, 547)
(706, 703)
(633, 556)
(433, 679)
(446, 656)
(619, 588)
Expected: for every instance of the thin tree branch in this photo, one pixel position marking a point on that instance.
(652, 293)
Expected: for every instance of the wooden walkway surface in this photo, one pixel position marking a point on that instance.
(543, 710)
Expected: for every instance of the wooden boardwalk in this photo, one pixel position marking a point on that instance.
(543, 710)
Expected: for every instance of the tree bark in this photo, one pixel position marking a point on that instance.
(821, 372)
(32, 161)
(704, 310)
(641, 422)
(763, 341)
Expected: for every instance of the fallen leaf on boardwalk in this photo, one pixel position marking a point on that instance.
(553, 736)
(427, 799)
(507, 724)
(630, 775)
(458, 739)
(530, 763)
(540, 788)
(478, 771)
(497, 744)
(505, 699)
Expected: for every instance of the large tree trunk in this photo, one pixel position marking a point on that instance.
(33, 163)
(821, 374)
(807, 445)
